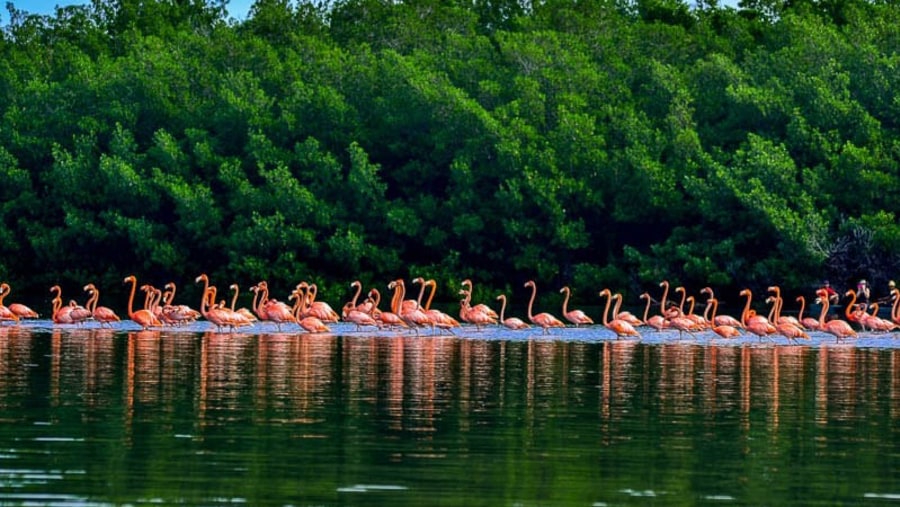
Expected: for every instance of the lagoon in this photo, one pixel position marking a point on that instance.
(193, 417)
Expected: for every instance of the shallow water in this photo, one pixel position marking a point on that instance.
(491, 417)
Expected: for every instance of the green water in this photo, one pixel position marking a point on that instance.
(97, 417)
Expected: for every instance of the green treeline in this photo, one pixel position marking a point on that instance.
(594, 143)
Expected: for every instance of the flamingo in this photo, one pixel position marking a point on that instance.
(544, 319)
(895, 309)
(618, 326)
(102, 314)
(271, 309)
(682, 323)
(310, 323)
(60, 314)
(660, 322)
(480, 307)
(176, 314)
(778, 317)
(319, 309)
(243, 312)
(787, 327)
(699, 322)
(358, 315)
(364, 307)
(18, 309)
(723, 330)
(576, 317)
(409, 309)
(756, 324)
(807, 322)
(438, 318)
(852, 314)
(6, 313)
(839, 328)
(360, 318)
(721, 320)
(512, 322)
(211, 311)
(876, 323)
(390, 318)
(657, 322)
(73, 313)
(480, 314)
(143, 317)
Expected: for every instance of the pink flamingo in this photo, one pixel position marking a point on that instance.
(512, 322)
(618, 326)
(102, 314)
(544, 319)
(576, 317)
(723, 330)
(839, 328)
(807, 322)
(142, 317)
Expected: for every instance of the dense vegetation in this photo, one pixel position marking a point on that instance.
(585, 142)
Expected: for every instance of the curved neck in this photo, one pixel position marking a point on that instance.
(746, 306)
(896, 308)
(802, 301)
(608, 295)
(566, 300)
(358, 286)
(646, 308)
(502, 299)
(531, 301)
(57, 301)
(848, 312)
(255, 299)
(825, 305)
(683, 297)
(133, 281)
(204, 297)
(433, 285)
(375, 300)
(91, 304)
(399, 294)
(234, 298)
(618, 306)
(662, 303)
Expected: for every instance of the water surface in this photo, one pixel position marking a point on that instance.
(112, 417)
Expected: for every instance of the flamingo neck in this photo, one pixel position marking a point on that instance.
(531, 301)
(133, 281)
(433, 285)
(608, 295)
(356, 295)
(234, 298)
(850, 305)
(825, 305)
(746, 311)
(662, 303)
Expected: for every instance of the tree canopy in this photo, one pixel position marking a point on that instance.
(588, 143)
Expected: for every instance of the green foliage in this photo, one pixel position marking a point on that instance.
(591, 144)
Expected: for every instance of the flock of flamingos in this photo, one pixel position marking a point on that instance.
(313, 316)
